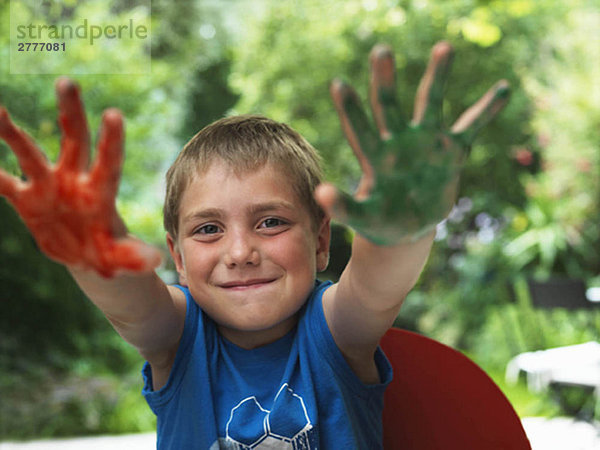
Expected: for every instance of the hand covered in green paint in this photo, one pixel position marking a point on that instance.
(410, 170)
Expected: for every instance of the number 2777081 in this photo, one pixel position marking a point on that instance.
(41, 46)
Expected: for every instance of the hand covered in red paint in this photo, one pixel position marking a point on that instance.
(70, 207)
(410, 170)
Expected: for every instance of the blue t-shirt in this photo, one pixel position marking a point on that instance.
(295, 393)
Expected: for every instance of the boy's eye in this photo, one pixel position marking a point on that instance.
(208, 229)
(271, 222)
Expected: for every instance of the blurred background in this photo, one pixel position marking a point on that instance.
(528, 215)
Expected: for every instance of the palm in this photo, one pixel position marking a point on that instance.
(68, 207)
(413, 190)
(410, 170)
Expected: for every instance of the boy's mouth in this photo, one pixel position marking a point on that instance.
(246, 284)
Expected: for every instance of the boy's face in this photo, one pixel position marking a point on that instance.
(248, 251)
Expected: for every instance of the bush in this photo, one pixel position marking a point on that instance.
(51, 404)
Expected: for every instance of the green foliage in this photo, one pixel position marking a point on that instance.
(558, 231)
(514, 329)
(209, 96)
(32, 311)
(552, 226)
(546, 238)
(50, 404)
(467, 276)
(525, 402)
(56, 351)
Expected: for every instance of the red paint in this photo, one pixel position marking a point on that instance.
(70, 209)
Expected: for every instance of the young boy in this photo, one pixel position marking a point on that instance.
(250, 350)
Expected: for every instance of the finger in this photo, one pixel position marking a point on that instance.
(354, 213)
(361, 137)
(75, 145)
(106, 170)
(9, 186)
(136, 256)
(430, 94)
(32, 161)
(384, 102)
(481, 113)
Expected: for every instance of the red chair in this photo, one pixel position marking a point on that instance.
(440, 399)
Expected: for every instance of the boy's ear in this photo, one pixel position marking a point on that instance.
(323, 240)
(177, 259)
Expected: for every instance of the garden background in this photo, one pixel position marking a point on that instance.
(529, 204)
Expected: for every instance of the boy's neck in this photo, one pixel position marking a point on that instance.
(253, 339)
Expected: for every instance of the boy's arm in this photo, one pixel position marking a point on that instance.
(143, 310)
(409, 184)
(69, 208)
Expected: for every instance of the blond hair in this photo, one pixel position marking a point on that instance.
(245, 143)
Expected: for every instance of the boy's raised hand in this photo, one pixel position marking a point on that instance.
(410, 169)
(69, 207)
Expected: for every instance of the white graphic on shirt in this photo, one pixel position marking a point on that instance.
(286, 426)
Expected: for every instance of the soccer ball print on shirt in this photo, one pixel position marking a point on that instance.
(286, 426)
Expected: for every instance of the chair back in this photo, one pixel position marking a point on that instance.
(440, 399)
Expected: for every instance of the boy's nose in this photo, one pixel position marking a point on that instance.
(241, 251)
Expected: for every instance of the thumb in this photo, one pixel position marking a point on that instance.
(126, 255)
(326, 196)
(338, 204)
(134, 255)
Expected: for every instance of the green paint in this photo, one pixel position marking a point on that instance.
(407, 199)
(416, 169)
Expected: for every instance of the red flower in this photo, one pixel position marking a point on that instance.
(524, 156)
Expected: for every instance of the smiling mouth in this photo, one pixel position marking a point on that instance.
(246, 284)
